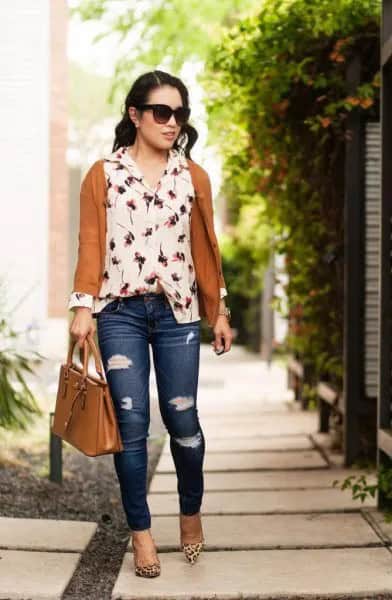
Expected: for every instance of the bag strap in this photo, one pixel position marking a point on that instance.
(84, 355)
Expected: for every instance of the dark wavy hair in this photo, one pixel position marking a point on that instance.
(125, 130)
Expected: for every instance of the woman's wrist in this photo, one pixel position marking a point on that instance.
(76, 309)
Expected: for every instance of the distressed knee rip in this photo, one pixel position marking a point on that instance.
(182, 402)
(190, 441)
(119, 361)
(190, 335)
(126, 403)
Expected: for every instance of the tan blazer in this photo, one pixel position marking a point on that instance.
(204, 245)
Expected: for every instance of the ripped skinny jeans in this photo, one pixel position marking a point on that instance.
(125, 327)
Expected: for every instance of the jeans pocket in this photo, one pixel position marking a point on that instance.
(112, 307)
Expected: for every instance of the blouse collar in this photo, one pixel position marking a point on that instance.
(122, 156)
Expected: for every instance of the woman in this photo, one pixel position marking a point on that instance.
(148, 272)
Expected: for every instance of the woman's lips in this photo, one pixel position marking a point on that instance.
(170, 136)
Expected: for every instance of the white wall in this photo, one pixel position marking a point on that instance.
(24, 158)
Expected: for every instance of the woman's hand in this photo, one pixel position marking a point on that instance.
(222, 331)
(82, 324)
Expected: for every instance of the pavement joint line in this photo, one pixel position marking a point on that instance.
(233, 417)
(261, 470)
(43, 549)
(279, 512)
(259, 450)
(275, 489)
(168, 550)
(264, 436)
(258, 436)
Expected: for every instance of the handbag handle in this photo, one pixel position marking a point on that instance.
(81, 386)
(84, 355)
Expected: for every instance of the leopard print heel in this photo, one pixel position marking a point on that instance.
(192, 551)
(151, 570)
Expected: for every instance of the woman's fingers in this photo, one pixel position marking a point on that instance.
(82, 324)
(223, 336)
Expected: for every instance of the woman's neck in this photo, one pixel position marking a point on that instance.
(147, 155)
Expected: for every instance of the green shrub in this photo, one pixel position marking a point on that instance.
(278, 104)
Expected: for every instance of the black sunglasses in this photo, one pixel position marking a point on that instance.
(163, 112)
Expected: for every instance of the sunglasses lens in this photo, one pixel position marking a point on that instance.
(162, 114)
(182, 115)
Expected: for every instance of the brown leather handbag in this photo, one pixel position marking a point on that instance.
(84, 414)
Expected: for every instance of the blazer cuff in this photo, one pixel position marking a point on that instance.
(80, 299)
(223, 292)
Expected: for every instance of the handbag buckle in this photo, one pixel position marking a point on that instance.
(82, 387)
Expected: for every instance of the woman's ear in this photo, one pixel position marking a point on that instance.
(132, 113)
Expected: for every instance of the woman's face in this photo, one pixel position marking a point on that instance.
(153, 133)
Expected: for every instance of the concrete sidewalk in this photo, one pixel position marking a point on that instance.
(274, 526)
(39, 556)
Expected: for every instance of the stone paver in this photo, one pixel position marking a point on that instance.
(273, 412)
(252, 480)
(35, 575)
(233, 461)
(265, 425)
(245, 444)
(223, 532)
(45, 534)
(261, 574)
(261, 502)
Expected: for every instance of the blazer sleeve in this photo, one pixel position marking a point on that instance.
(87, 273)
(210, 214)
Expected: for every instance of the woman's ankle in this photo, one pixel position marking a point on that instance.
(141, 532)
(143, 538)
(191, 527)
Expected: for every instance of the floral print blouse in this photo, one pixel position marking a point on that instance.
(148, 236)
